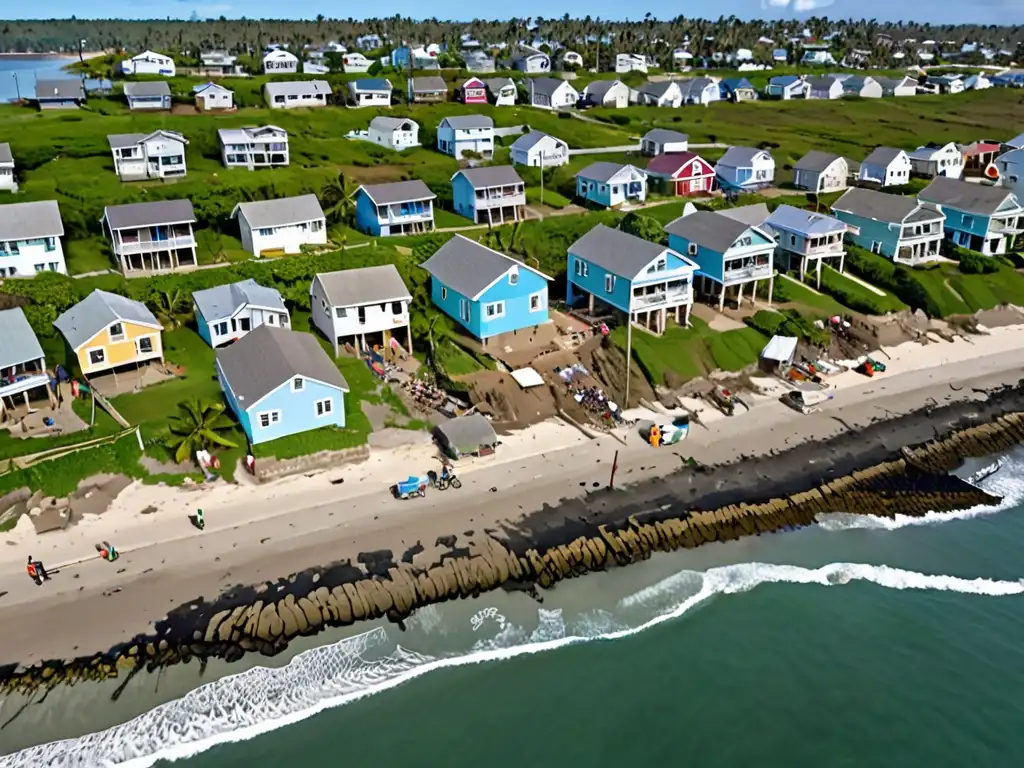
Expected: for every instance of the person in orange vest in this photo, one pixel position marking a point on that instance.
(107, 551)
(36, 571)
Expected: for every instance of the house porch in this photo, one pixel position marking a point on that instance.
(661, 303)
(916, 253)
(795, 261)
(130, 378)
(410, 227)
(711, 289)
(380, 341)
(158, 261)
(499, 214)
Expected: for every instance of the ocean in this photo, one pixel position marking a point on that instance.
(18, 74)
(857, 642)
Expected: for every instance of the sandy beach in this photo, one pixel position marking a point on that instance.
(260, 533)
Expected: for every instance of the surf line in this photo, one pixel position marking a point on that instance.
(914, 483)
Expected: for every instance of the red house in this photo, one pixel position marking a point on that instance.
(473, 91)
(681, 173)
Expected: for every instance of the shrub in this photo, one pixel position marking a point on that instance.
(564, 116)
(972, 263)
(619, 119)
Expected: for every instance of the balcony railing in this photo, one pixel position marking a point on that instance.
(147, 246)
(834, 249)
(397, 216)
(909, 234)
(748, 273)
(660, 298)
(22, 383)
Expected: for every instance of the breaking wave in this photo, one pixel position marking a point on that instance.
(242, 706)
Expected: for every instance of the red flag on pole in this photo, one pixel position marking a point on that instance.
(615, 466)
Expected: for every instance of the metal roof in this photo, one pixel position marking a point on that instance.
(372, 84)
(5, 153)
(469, 268)
(118, 140)
(98, 310)
(397, 192)
(807, 222)
(281, 212)
(600, 88)
(27, 221)
(882, 156)
(490, 176)
(752, 215)
(665, 136)
(602, 171)
(249, 133)
(365, 285)
(64, 88)
(392, 124)
(467, 122)
(964, 196)
(708, 229)
(495, 84)
(816, 161)
(18, 342)
(298, 87)
(267, 358)
(739, 157)
(147, 88)
(821, 83)
(871, 204)
(468, 433)
(618, 252)
(529, 140)
(136, 215)
(428, 84)
(670, 163)
(223, 301)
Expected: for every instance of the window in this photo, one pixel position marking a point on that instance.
(396, 308)
(269, 417)
(609, 283)
(494, 310)
(513, 278)
(298, 384)
(39, 268)
(582, 268)
(323, 407)
(53, 266)
(444, 293)
(145, 345)
(968, 220)
(116, 332)
(245, 324)
(341, 313)
(692, 249)
(50, 244)
(220, 329)
(464, 310)
(792, 239)
(537, 301)
(96, 356)
(265, 232)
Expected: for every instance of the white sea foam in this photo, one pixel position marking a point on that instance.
(242, 706)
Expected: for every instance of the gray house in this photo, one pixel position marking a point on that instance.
(65, 93)
(7, 178)
(22, 364)
(148, 95)
(821, 172)
(427, 90)
(365, 305)
(659, 141)
(226, 313)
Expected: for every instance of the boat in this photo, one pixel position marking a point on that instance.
(986, 472)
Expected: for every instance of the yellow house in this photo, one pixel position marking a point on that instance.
(107, 331)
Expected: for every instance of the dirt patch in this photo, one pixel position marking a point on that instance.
(607, 364)
(185, 109)
(496, 393)
(999, 317)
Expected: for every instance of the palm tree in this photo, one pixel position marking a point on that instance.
(197, 429)
(172, 308)
(338, 201)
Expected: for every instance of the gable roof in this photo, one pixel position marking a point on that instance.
(871, 204)
(5, 153)
(27, 221)
(665, 136)
(264, 359)
(816, 161)
(147, 88)
(280, 212)
(298, 87)
(784, 80)
(529, 140)
(428, 85)
(1017, 142)
(64, 88)
(397, 192)
(927, 153)
(98, 310)
(708, 229)
(882, 156)
(224, 300)
(964, 196)
(232, 135)
(201, 89)
(372, 84)
(600, 88)
(602, 171)
(18, 342)
(657, 88)
(495, 84)
(740, 157)
(616, 251)
(365, 285)
(119, 140)
(149, 214)
(546, 86)
(736, 83)
(808, 222)
(489, 176)
(391, 124)
(752, 215)
(469, 268)
(670, 163)
(821, 83)
(467, 122)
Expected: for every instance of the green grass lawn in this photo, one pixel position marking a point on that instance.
(91, 254)
(213, 247)
(11, 446)
(444, 219)
(817, 304)
(552, 199)
(854, 295)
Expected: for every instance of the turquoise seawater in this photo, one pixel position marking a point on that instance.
(859, 642)
(18, 74)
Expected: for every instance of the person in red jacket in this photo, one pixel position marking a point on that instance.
(36, 571)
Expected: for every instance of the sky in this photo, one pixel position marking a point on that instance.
(935, 11)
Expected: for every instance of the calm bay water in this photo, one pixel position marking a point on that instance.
(856, 643)
(19, 74)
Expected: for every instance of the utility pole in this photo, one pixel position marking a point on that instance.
(542, 176)
(629, 351)
(17, 85)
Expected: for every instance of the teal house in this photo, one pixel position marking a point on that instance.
(486, 292)
(279, 382)
(984, 219)
(897, 227)
(610, 184)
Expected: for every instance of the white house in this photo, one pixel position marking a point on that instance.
(607, 93)
(501, 91)
(370, 92)
(352, 304)
(539, 149)
(1011, 171)
(252, 148)
(978, 82)
(157, 155)
(531, 61)
(572, 59)
(211, 97)
(280, 62)
(661, 93)
(285, 224)
(699, 90)
(7, 179)
(824, 87)
(30, 236)
(466, 133)
(661, 141)
(552, 93)
(147, 95)
(930, 162)
(821, 172)
(892, 86)
(354, 63)
(226, 313)
(630, 62)
(297, 93)
(149, 63)
(864, 87)
(886, 167)
(396, 133)
(745, 168)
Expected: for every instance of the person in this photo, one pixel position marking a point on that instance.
(200, 519)
(33, 573)
(107, 551)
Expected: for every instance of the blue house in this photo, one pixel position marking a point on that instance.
(279, 383)
(786, 87)
(399, 208)
(226, 313)
(894, 226)
(983, 219)
(730, 251)
(611, 184)
(737, 89)
(492, 194)
(486, 292)
(644, 280)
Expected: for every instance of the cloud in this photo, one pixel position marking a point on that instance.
(800, 6)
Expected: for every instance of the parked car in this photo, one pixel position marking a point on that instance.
(584, 102)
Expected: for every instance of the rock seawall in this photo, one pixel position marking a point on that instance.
(265, 618)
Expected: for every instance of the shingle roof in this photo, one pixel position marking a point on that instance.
(665, 136)
(147, 88)
(546, 86)
(236, 135)
(298, 87)
(495, 84)
(490, 176)
(398, 192)
(964, 196)
(119, 140)
(64, 88)
(280, 212)
(882, 156)
(264, 359)
(600, 88)
(708, 229)
(224, 300)
(669, 164)
(601, 171)
(366, 285)
(739, 157)
(5, 153)
(149, 214)
(618, 252)
(528, 140)
(816, 161)
(656, 88)
(391, 123)
(798, 220)
(466, 122)
(27, 221)
(870, 204)
(372, 84)
(468, 267)
(18, 342)
(98, 310)
(752, 215)
(820, 83)
(428, 84)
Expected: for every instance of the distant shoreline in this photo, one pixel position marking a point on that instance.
(52, 55)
